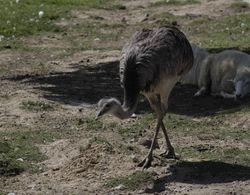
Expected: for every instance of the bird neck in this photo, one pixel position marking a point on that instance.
(123, 112)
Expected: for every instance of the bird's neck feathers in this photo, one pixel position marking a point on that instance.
(123, 111)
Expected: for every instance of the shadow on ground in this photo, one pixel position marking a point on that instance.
(203, 172)
(88, 83)
(85, 84)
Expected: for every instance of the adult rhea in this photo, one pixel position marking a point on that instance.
(151, 64)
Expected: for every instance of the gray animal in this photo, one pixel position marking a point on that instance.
(225, 74)
(151, 64)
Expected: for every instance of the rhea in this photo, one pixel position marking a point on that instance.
(151, 64)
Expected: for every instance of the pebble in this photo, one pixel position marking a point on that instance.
(20, 159)
(40, 14)
(119, 187)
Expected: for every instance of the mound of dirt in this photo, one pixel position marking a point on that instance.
(96, 157)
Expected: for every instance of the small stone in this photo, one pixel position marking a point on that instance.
(119, 187)
(56, 168)
(40, 14)
(32, 186)
(133, 115)
(20, 159)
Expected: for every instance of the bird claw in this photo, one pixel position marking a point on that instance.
(146, 163)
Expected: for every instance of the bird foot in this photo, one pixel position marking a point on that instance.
(170, 154)
(146, 163)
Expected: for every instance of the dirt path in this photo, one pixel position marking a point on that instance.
(78, 163)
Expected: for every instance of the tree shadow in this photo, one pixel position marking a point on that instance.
(203, 172)
(88, 83)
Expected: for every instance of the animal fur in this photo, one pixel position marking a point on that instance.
(225, 74)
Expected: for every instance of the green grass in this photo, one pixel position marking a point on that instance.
(228, 155)
(215, 125)
(133, 181)
(37, 106)
(211, 32)
(165, 18)
(18, 152)
(18, 19)
(137, 127)
(210, 128)
(91, 124)
(225, 31)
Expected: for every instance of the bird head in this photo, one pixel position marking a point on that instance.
(242, 83)
(107, 106)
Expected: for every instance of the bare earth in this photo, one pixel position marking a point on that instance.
(75, 83)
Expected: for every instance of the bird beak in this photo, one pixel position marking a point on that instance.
(99, 114)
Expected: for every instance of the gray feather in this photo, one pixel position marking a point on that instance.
(150, 54)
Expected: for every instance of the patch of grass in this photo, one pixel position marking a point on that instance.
(22, 18)
(18, 152)
(41, 67)
(215, 125)
(173, 2)
(224, 31)
(229, 155)
(98, 34)
(135, 128)
(245, 108)
(37, 106)
(211, 32)
(134, 181)
(164, 18)
(91, 124)
(236, 155)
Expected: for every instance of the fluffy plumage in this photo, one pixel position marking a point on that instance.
(150, 56)
(151, 64)
(225, 74)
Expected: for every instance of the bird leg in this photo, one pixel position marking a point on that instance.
(146, 163)
(169, 153)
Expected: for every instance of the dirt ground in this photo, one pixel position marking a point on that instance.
(75, 83)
